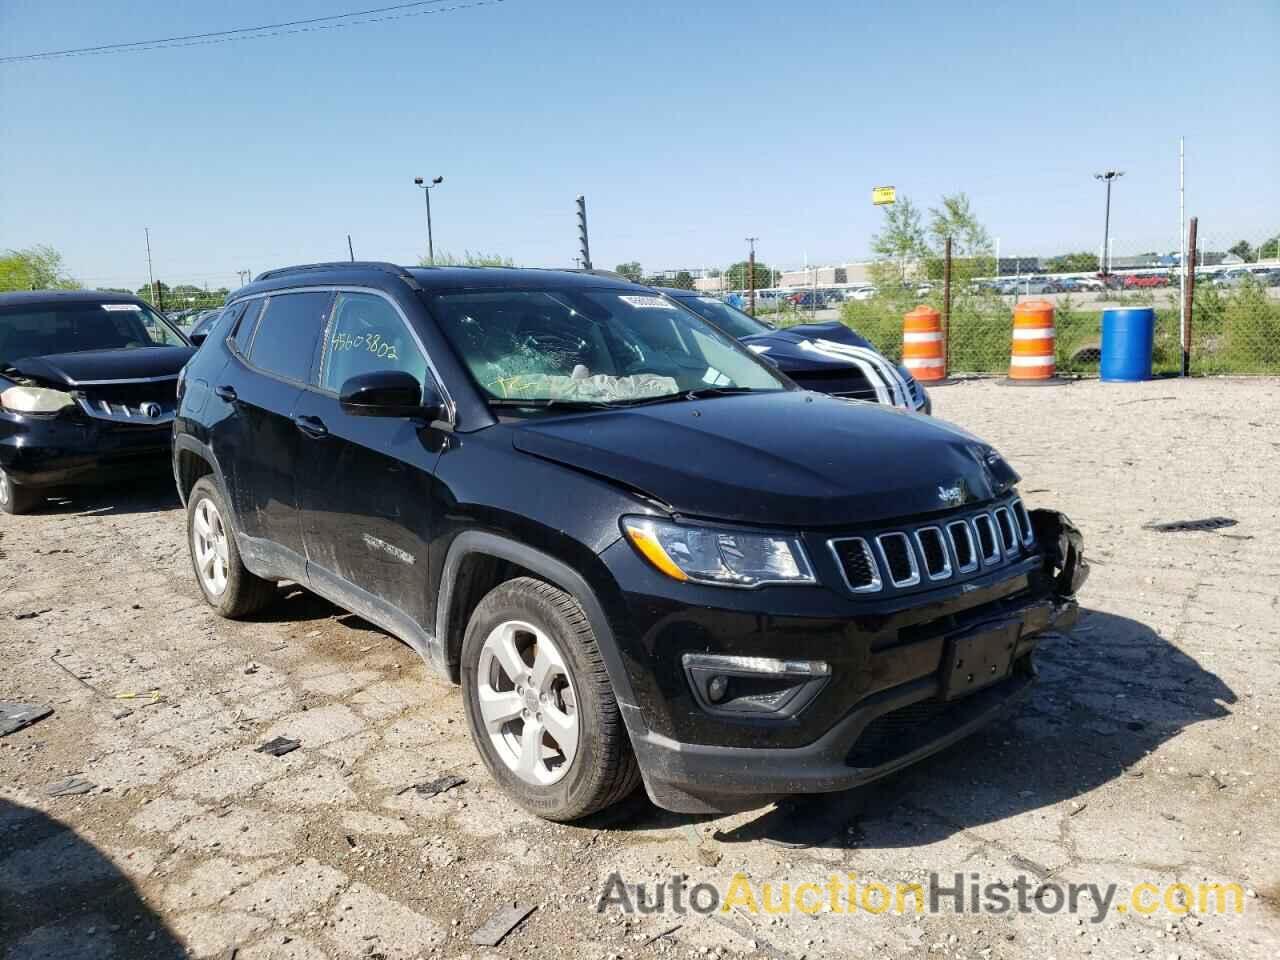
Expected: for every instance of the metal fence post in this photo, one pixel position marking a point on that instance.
(946, 307)
(1189, 299)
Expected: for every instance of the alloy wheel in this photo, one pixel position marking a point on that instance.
(209, 544)
(527, 702)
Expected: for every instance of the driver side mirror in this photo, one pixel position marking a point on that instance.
(390, 393)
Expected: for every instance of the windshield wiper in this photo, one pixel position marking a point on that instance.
(544, 403)
(698, 393)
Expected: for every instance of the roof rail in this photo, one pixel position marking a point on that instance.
(391, 268)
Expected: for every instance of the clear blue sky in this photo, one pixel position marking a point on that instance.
(688, 125)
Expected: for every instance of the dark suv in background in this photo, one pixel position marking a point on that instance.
(643, 553)
(827, 357)
(88, 387)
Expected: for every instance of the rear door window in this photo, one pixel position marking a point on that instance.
(288, 331)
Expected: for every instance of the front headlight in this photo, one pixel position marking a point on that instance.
(35, 400)
(731, 558)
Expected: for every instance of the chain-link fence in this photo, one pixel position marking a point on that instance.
(1234, 313)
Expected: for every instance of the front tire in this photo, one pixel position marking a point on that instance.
(540, 705)
(14, 499)
(224, 580)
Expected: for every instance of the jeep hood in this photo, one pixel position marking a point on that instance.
(98, 366)
(792, 459)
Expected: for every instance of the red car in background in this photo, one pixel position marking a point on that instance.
(1144, 280)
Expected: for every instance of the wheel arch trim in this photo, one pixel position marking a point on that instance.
(558, 573)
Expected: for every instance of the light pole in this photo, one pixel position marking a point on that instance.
(1106, 228)
(426, 192)
(751, 276)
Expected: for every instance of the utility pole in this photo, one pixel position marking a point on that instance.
(1107, 178)
(583, 245)
(1182, 251)
(751, 276)
(151, 277)
(426, 192)
(1188, 300)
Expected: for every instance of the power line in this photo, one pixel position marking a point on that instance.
(335, 21)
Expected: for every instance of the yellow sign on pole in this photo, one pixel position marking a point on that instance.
(882, 196)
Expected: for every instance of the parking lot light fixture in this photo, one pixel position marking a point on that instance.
(1107, 178)
(426, 192)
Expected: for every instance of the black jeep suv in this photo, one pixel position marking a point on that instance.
(88, 387)
(644, 553)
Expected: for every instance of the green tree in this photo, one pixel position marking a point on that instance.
(35, 268)
(737, 275)
(956, 219)
(468, 259)
(1270, 249)
(631, 270)
(1244, 250)
(1082, 262)
(683, 280)
(901, 239)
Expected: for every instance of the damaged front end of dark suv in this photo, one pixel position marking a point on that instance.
(750, 704)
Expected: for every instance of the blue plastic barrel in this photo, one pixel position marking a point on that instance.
(1127, 338)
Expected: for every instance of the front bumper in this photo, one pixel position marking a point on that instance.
(57, 452)
(888, 702)
(884, 733)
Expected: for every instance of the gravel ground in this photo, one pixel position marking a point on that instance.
(1150, 751)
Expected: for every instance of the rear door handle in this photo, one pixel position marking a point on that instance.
(227, 393)
(313, 427)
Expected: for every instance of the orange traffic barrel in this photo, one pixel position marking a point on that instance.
(922, 346)
(1032, 358)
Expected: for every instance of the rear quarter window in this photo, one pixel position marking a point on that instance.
(243, 335)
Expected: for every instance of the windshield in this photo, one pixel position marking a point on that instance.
(596, 347)
(36, 330)
(728, 318)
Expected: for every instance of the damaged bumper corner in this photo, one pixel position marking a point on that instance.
(1063, 544)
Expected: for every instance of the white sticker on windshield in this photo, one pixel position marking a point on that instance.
(113, 307)
(715, 377)
(647, 303)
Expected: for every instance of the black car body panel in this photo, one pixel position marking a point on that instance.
(105, 367)
(119, 423)
(774, 460)
(408, 521)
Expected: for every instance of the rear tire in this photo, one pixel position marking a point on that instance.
(224, 580)
(531, 662)
(14, 499)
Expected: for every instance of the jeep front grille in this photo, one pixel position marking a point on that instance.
(933, 547)
(962, 543)
(988, 546)
(857, 564)
(1008, 531)
(934, 553)
(1024, 522)
(900, 559)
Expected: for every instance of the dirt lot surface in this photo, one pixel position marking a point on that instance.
(1150, 751)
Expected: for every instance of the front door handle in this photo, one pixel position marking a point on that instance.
(226, 392)
(313, 427)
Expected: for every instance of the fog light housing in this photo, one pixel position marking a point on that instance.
(754, 686)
